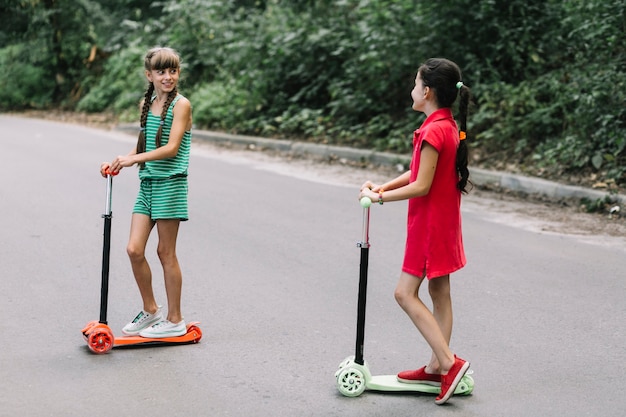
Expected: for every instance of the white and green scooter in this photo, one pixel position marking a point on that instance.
(353, 376)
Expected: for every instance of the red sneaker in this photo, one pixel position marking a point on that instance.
(452, 379)
(419, 376)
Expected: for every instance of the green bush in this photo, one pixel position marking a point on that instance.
(121, 86)
(547, 76)
(30, 85)
(221, 106)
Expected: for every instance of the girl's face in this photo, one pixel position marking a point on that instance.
(419, 93)
(164, 80)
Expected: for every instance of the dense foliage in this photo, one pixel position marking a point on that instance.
(548, 76)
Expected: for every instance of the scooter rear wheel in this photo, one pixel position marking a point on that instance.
(197, 333)
(466, 386)
(100, 340)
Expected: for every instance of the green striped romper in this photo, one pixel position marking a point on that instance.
(163, 189)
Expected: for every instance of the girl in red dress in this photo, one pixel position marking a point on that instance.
(434, 244)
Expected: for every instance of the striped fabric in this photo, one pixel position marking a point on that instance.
(165, 168)
(163, 190)
(163, 199)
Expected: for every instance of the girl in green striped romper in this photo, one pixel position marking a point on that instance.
(162, 154)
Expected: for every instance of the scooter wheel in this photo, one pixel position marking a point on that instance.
(100, 340)
(351, 382)
(466, 386)
(197, 333)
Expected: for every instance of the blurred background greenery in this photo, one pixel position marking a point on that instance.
(548, 76)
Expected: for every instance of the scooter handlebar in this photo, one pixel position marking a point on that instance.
(365, 202)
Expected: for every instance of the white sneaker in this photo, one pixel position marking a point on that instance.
(165, 328)
(142, 321)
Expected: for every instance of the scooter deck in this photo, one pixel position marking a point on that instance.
(390, 383)
(193, 335)
(100, 339)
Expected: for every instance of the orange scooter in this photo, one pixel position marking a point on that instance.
(97, 333)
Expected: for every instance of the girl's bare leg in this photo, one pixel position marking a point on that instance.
(140, 228)
(439, 289)
(407, 295)
(168, 233)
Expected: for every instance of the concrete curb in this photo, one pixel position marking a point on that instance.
(481, 177)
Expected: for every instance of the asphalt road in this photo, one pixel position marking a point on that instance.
(270, 269)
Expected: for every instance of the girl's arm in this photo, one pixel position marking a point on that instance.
(397, 182)
(405, 190)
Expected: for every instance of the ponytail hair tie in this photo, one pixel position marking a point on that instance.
(459, 85)
(142, 129)
(161, 122)
(462, 135)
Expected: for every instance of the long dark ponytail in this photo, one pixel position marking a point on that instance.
(462, 153)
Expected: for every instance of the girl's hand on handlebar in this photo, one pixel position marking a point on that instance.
(370, 186)
(105, 170)
(367, 192)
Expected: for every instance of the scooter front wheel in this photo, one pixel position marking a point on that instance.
(351, 382)
(100, 340)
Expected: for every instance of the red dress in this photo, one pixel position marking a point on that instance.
(434, 242)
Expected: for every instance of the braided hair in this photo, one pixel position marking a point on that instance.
(444, 76)
(156, 59)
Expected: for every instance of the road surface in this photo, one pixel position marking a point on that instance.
(270, 269)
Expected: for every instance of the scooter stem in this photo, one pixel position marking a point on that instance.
(365, 240)
(107, 206)
(360, 322)
(106, 250)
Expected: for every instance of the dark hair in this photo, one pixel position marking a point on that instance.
(444, 76)
(156, 59)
